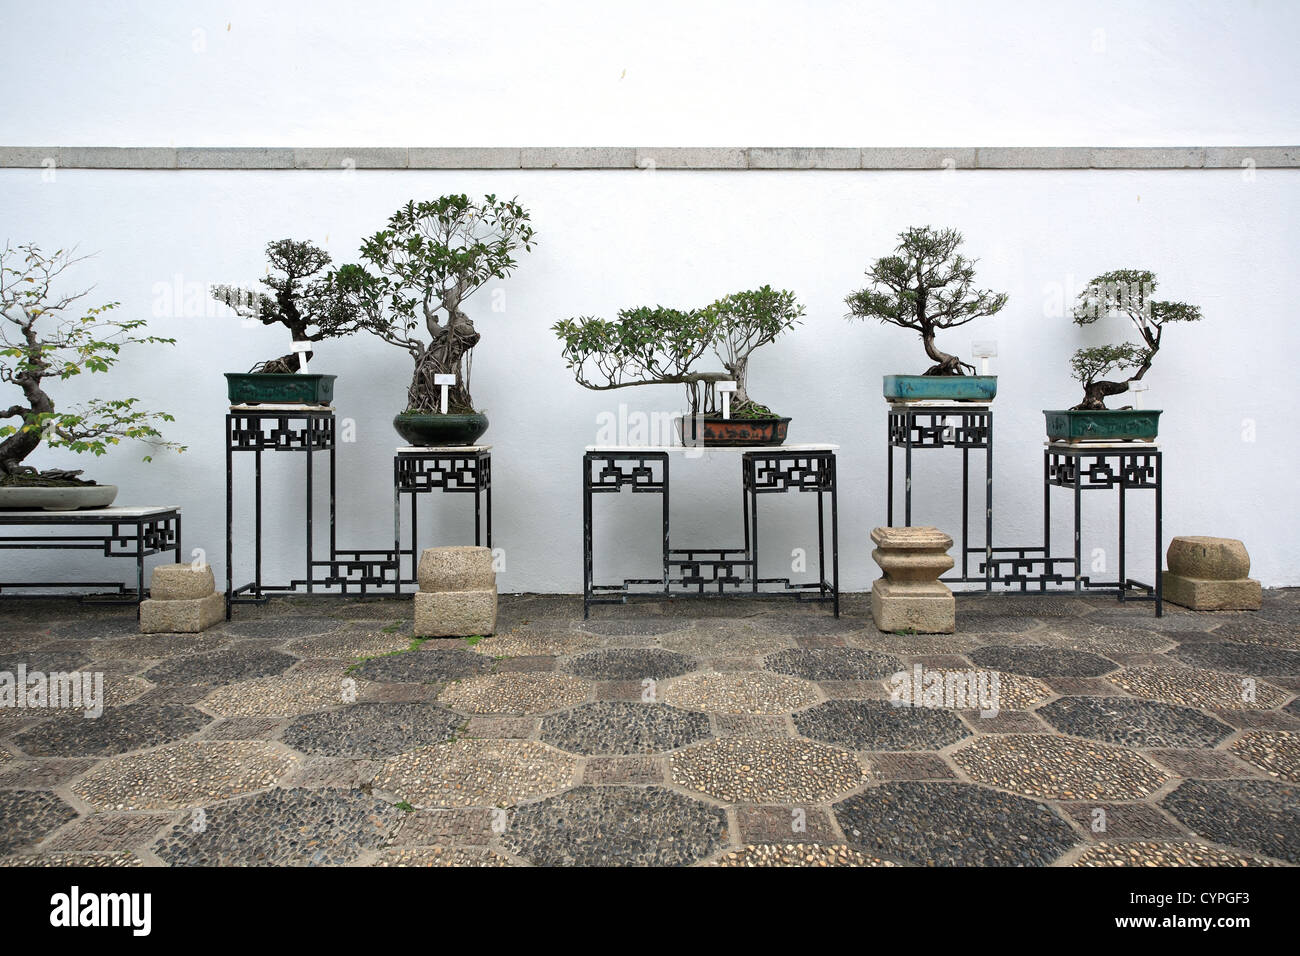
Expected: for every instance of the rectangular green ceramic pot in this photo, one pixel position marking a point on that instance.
(941, 388)
(1125, 424)
(279, 388)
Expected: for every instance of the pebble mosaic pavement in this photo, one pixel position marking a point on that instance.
(725, 733)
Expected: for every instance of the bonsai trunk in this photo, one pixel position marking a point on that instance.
(947, 364)
(739, 372)
(1095, 394)
(445, 355)
(19, 445)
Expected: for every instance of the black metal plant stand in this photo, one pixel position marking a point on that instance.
(964, 426)
(715, 572)
(451, 470)
(115, 532)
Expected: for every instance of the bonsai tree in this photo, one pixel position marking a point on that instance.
(1128, 293)
(47, 336)
(418, 273)
(301, 298)
(743, 322)
(926, 286)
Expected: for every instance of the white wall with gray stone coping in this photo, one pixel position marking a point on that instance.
(609, 238)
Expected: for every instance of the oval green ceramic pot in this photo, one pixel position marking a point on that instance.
(427, 430)
(1120, 424)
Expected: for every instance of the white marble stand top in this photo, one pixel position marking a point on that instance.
(781, 449)
(114, 511)
(1137, 445)
(902, 406)
(266, 407)
(440, 449)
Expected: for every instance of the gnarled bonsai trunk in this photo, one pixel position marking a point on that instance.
(19, 445)
(445, 355)
(947, 364)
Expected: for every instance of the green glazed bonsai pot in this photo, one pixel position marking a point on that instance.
(279, 388)
(940, 388)
(1123, 424)
(427, 429)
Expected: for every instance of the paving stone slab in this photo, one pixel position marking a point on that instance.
(115, 732)
(42, 773)
(1058, 768)
(1174, 683)
(725, 638)
(798, 854)
(285, 695)
(465, 773)
(296, 827)
(243, 728)
(285, 627)
(755, 693)
(621, 727)
(535, 642)
(1134, 723)
(785, 824)
(143, 647)
(623, 770)
(349, 644)
(848, 663)
(1277, 753)
(369, 730)
(1253, 630)
(27, 816)
(908, 766)
(334, 773)
(880, 725)
(523, 665)
(1206, 764)
(1122, 821)
(1041, 661)
(516, 694)
(630, 664)
(461, 826)
(1164, 853)
(953, 824)
(751, 725)
(427, 665)
(616, 826)
(748, 770)
(1238, 658)
(457, 856)
(635, 626)
(61, 860)
(184, 776)
(109, 832)
(1254, 815)
(220, 667)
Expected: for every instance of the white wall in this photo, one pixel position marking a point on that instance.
(812, 73)
(615, 238)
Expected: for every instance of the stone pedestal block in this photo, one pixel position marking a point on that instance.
(181, 617)
(1210, 574)
(456, 613)
(181, 582)
(456, 569)
(910, 596)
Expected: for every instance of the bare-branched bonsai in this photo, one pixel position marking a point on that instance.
(46, 336)
(418, 273)
(661, 346)
(301, 298)
(1127, 293)
(926, 286)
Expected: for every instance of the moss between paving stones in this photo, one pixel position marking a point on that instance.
(616, 826)
(752, 770)
(366, 730)
(1134, 723)
(425, 665)
(1156, 853)
(1255, 815)
(524, 693)
(27, 816)
(220, 667)
(753, 692)
(1238, 658)
(1196, 687)
(185, 775)
(476, 773)
(879, 725)
(953, 824)
(630, 663)
(799, 854)
(283, 828)
(833, 663)
(114, 732)
(1058, 768)
(620, 728)
(1035, 661)
(1277, 752)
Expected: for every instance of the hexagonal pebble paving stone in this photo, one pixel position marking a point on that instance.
(725, 638)
(1255, 815)
(879, 725)
(116, 691)
(621, 727)
(634, 627)
(798, 854)
(43, 661)
(148, 647)
(953, 824)
(530, 642)
(1250, 629)
(94, 628)
(288, 695)
(1008, 691)
(282, 627)
(525, 693)
(833, 663)
(996, 624)
(741, 692)
(442, 856)
(753, 770)
(426, 665)
(1158, 853)
(1275, 751)
(116, 731)
(27, 816)
(1100, 639)
(1134, 723)
(94, 860)
(1240, 658)
(184, 775)
(476, 773)
(631, 663)
(372, 729)
(220, 667)
(1026, 605)
(913, 645)
(808, 625)
(349, 644)
(1197, 687)
(616, 826)
(283, 828)
(1057, 768)
(1041, 661)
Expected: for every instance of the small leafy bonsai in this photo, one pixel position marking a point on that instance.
(301, 298)
(418, 273)
(47, 336)
(1127, 293)
(660, 346)
(926, 286)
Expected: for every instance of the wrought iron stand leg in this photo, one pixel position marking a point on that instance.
(478, 514)
(907, 467)
(667, 551)
(311, 438)
(1123, 517)
(1160, 477)
(965, 511)
(230, 493)
(821, 542)
(489, 505)
(889, 484)
(988, 507)
(1047, 519)
(257, 530)
(753, 510)
(397, 527)
(1078, 521)
(835, 533)
(586, 536)
(139, 566)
